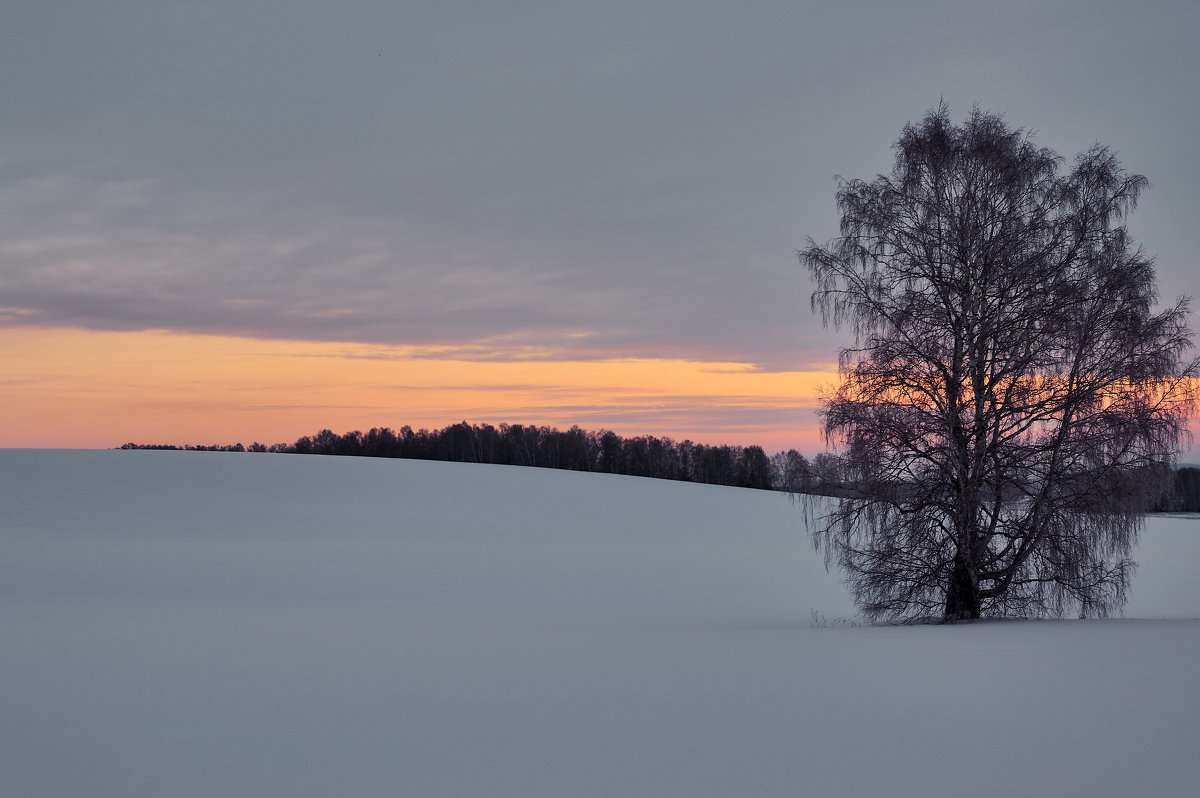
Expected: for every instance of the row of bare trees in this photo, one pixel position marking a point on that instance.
(606, 452)
(573, 449)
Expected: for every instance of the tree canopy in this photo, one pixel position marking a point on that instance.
(1013, 396)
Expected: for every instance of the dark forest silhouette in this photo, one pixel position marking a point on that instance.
(574, 449)
(607, 452)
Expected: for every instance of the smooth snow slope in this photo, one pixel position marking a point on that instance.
(201, 624)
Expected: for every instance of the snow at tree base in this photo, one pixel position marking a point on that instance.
(196, 624)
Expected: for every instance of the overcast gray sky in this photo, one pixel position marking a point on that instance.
(605, 178)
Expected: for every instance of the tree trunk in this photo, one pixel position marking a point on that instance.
(962, 594)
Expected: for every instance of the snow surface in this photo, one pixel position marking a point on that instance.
(203, 624)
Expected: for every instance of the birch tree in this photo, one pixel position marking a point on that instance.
(1013, 394)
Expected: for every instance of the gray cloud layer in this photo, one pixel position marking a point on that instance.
(615, 177)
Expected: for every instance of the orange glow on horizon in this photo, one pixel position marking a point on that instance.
(83, 389)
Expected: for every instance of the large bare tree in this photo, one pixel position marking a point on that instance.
(1013, 396)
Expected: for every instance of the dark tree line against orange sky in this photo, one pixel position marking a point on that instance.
(607, 452)
(573, 449)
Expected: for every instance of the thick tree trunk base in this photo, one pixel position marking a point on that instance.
(962, 595)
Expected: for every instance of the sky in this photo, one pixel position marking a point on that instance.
(237, 221)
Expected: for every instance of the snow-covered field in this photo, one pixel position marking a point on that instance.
(195, 624)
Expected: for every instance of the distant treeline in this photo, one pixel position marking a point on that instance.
(1185, 497)
(574, 449)
(608, 453)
